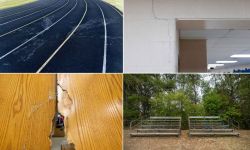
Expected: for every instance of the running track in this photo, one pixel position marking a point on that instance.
(54, 36)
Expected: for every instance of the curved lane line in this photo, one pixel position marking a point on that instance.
(105, 41)
(27, 15)
(3, 56)
(22, 11)
(48, 60)
(35, 20)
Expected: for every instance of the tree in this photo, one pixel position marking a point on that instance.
(216, 104)
(174, 104)
(190, 84)
(213, 103)
(244, 103)
(139, 89)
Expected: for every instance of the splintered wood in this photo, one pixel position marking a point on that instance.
(27, 108)
(92, 106)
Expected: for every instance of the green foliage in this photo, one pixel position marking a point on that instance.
(174, 104)
(190, 83)
(170, 104)
(133, 111)
(231, 112)
(219, 105)
(244, 100)
(213, 103)
(139, 89)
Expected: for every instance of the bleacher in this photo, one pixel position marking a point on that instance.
(156, 126)
(209, 125)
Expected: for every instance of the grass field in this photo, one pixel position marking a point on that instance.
(117, 3)
(184, 142)
(5, 4)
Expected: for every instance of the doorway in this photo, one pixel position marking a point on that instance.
(214, 45)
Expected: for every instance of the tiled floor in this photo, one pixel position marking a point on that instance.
(57, 142)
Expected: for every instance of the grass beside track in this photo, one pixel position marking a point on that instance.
(5, 4)
(117, 3)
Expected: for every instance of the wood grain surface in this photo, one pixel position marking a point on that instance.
(27, 108)
(92, 106)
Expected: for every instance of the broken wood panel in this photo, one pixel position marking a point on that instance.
(92, 106)
(27, 107)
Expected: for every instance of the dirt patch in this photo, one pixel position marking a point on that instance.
(184, 142)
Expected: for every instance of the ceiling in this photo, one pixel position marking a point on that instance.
(224, 38)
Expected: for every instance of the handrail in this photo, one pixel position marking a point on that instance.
(131, 123)
(163, 118)
(237, 126)
(204, 117)
(174, 121)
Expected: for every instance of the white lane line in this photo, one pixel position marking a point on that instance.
(105, 41)
(27, 15)
(3, 56)
(35, 20)
(21, 11)
(48, 60)
(113, 8)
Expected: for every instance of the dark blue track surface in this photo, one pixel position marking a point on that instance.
(32, 42)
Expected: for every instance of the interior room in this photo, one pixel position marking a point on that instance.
(214, 45)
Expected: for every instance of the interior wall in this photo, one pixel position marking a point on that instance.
(193, 56)
(206, 9)
(92, 106)
(149, 42)
(27, 107)
(150, 27)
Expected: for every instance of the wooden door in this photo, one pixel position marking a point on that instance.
(27, 108)
(92, 106)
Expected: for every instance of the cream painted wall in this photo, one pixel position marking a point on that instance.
(194, 9)
(151, 38)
